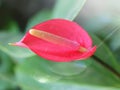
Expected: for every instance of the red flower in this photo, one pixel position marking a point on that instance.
(58, 40)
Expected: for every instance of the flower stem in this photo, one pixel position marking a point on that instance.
(106, 65)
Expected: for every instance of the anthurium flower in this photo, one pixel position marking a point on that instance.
(58, 40)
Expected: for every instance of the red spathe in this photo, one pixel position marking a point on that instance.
(57, 52)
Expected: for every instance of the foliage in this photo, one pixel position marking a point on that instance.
(20, 67)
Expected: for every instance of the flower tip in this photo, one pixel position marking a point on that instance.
(82, 49)
(18, 44)
(12, 44)
(31, 31)
(36, 33)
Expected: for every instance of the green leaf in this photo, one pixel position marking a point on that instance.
(67, 9)
(5, 85)
(114, 39)
(39, 74)
(36, 74)
(15, 52)
(109, 33)
(115, 35)
(6, 72)
(104, 53)
(6, 64)
(38, 18)
(13, 27)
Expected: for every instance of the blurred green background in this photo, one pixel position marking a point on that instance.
(21, 69)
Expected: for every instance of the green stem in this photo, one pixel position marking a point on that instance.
(106, 65)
